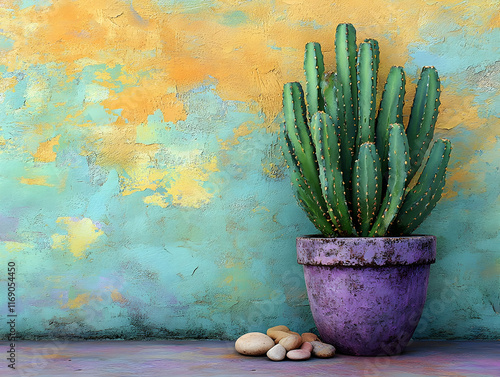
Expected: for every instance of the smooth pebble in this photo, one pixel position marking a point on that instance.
(277, 353)
(299, 354)
(322, 350)
(306, 346)
(254, 344)
(291, 342)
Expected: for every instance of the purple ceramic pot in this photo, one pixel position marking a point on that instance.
(366, 294)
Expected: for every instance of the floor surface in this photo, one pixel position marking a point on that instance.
(218, 358)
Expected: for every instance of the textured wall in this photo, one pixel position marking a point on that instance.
(141, 190)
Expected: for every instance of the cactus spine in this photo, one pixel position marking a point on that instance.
(350, 165)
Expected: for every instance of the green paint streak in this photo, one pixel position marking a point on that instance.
(234, 19)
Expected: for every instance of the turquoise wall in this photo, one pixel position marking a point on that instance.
(142, 192)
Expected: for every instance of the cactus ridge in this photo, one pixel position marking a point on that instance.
(367, 178)
(351, 165)
(328, 157)
(345, 50)
(314, 70)
(367, 92)
(423, 116)
(398, 165)
(391, 110)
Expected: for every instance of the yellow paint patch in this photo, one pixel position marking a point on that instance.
(81, 234)
(241, 131)
(187, 189)
(7, 83)
(260, 209)
(156, 199)
(142, 178)
(16, 247)
(117, 297)
(458, 110)
(77, 302)
(45, 151)
(38, 181)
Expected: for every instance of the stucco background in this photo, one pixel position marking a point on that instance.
(142, 192)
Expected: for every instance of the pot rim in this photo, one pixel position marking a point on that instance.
(318, 250)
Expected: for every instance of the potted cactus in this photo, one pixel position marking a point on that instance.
(366, 181)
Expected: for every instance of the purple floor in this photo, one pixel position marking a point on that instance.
(218, 358)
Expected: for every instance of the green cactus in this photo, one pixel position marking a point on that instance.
(351, 166)
(367, 186)
(325, 139)
(423, 117)
(368, 57)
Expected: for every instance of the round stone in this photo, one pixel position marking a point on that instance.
(322, 350)
(291, 342)
(277, 353)
(299, 354)
(254, 344)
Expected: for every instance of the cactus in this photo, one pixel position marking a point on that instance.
(352, 168)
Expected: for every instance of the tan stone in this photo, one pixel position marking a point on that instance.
(310, 337)
(277, 335)
(322, 350)
(291, 342)
(278, 328)
(298, 354)
(253, 344)
(277, 353)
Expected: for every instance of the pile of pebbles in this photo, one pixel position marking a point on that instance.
(280, 343)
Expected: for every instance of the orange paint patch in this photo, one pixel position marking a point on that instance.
(250, 61)
(139, 102)
(45, 151)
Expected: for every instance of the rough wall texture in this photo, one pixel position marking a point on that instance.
(141, 189)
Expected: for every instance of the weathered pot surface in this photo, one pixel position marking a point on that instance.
(366, 294)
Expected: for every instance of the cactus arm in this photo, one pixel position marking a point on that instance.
(367, 91)
(398, 165)
(312, 206)
(422, 198)
(423, 117)
(367, 177)
(345, 51)
(391, 110)
(314, 69)
(297, 129)
(328, 156)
